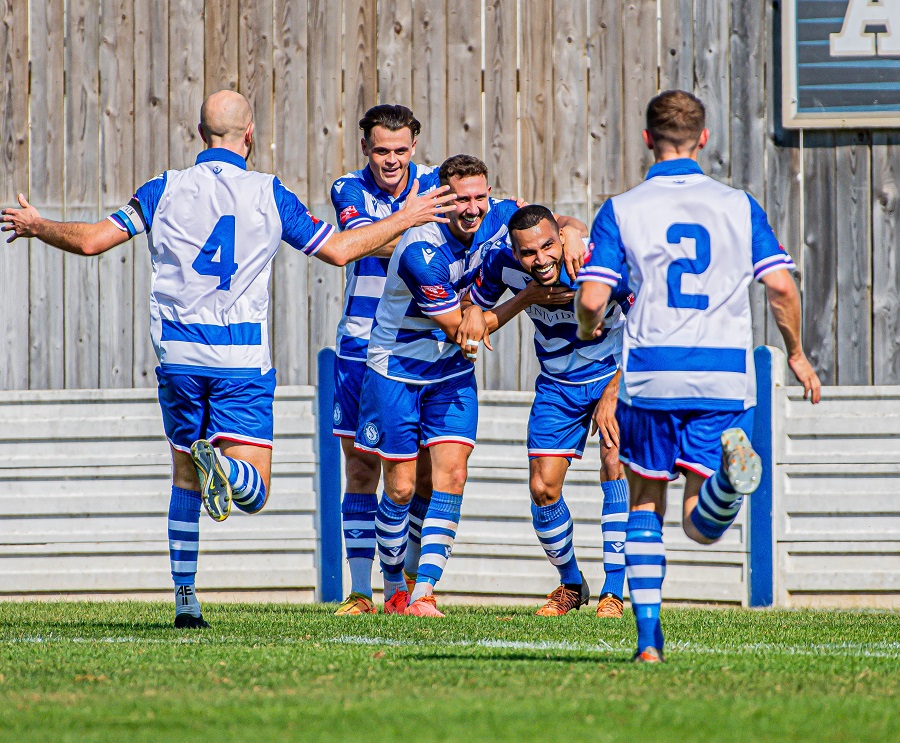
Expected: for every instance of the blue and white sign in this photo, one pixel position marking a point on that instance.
(841, 63)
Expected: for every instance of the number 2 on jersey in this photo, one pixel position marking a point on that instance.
(677, 268)
(220, 242)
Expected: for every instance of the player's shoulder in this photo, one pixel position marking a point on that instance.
(421, 246)
(354, 181)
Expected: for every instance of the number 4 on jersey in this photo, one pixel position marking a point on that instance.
(220, 243)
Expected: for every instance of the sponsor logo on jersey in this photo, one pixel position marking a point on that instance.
(434, 293)
(337, 415)
(370, 433)
(315, 220)
(348, 213)
(588, 251)
(427, 254)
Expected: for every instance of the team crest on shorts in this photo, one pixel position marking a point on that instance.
(337, 415)
(370, 433)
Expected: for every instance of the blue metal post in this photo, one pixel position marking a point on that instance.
(330, 549)
(761, 513)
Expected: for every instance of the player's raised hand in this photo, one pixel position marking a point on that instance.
(20, 221)
(806, 375)
(574, 250)
(428, 207)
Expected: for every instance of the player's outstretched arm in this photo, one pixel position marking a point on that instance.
(590, 307)
(784, 301)
(80, 238)
(351, 245)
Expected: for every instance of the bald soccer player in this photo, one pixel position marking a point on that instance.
(213, 230)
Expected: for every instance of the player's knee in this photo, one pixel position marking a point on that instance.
(363, 472)
(454, 479)
(611, 467)
(401, 493)
(542, 492)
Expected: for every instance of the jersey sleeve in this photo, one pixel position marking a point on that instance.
(606, 261)
(299, 228)
(137, 215)
(348, 199)
(768, 254)
(428, 282)
(488, 286)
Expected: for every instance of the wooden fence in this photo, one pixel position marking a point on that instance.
(100, 95)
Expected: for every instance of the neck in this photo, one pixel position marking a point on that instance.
(239, 148)
(464, 237)
(670, 153)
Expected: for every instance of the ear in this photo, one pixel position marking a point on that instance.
(704, 138)
(248, 135)
(412, 150)
(365, 147)
(648, 138)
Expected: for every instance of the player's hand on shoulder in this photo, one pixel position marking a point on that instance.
(806, 375)
(20, 222)
(428, 207)
(574, 250)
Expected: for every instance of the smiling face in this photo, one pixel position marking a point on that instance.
(471, 204)
(389, 154)
(539, 251)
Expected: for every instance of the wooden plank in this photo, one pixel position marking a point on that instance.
(45, 312)
(820, 254)
(186, 39)
(854, 258)
(639, 63)
(81, 289)
(325, 163)
(500, 88)
(605, 103)
(290, 295)
(14, 266)
(464, 115)
(748, 121)
(885, 251)
(360, 81)
(676, 29)
(116, 186)
(221, 46)
(430, 71)
(255, 73)
(536, 101)
(151, 130)
(570, 95)
(394, 51)
(711, 78)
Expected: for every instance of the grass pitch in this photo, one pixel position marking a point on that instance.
(119, 672)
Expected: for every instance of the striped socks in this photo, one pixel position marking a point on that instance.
(645, 566)
(418, 508)
(438, 533)
(717, 506)
(358, 524)
(613, 520)
(391, 533)
(247, 487)
(184, 544)
(553, 526)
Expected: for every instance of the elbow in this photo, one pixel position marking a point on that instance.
(90, 247)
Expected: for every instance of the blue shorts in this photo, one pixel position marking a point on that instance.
(213, 408)
(348, 380)
(561, 417)
(394, 417)
(653, 443)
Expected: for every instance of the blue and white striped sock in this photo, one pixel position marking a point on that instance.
(418, 508)
(645, 566)
(553, 526)
(184, 544)
(248, 490)
(438, 534)
(391, 534)
(358, 524)
(613, 521)
(717, 506)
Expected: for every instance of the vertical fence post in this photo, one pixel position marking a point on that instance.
(329, 471)
(761, 571)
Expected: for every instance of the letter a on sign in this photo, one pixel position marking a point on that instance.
(855, 38)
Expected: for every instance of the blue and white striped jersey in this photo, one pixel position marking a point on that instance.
(359, 201)
(213, 230)
(427, 274)
(689, 247)
(563, 357)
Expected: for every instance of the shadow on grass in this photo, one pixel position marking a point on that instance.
(535, 657)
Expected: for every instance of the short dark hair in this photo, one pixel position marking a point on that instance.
(391, 117)
(461, 166)
(677, 117)
(531, 216)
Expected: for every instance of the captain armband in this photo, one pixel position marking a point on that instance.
(129, 218)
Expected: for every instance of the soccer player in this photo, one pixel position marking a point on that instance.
(361, 198)
(690, 247)
(213, 230)
(572, 394)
